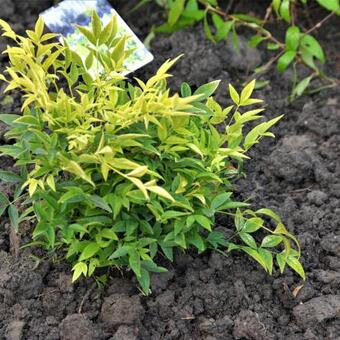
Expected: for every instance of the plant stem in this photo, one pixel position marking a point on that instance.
(320, 23)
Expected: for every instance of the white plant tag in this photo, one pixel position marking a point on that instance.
(62, 18)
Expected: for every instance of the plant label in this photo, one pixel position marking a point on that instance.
(63, 17)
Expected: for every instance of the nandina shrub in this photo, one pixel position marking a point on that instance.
(119, 172)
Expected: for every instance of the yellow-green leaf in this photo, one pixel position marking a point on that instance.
(234, 95)
(50, 182)
(161, 192)
(247, 91)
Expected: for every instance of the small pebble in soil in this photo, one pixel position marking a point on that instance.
(317, 310)
(76, 327)
(331, 244)
(126, 333)
(119, 309)
(317, 197)
(15, 330)
(249, 326)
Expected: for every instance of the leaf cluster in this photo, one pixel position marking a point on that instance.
(299, 46)
(117, 172)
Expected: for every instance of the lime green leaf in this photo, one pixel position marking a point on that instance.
(50, 182)
(255, 40)
(161, 192)
(281, 261)
(255, 255)
(285, 60)
(204, 221)
(292, 38)
(207, 29)
(300, 88)
(234, 95)
(331, 5)
(285, 10)
(39, 27)
(295, 264)
(312, 46)
(248, 239)
(89, 251)
(267, 258)
(173, 214)
(176, 11)
(247, 91)
(270, 213)
(87, 33)
(272, 46)
(276, 5)
(207, 90)
(96, 25)
(79, 269)
(252, 224)
(222, 27)
(28, 120)
(271, 241)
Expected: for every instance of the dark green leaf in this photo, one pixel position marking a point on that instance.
(216, 238)
(4, 202)
(152, 267)
(11, 177)
(9, 119)
(144, 281)
(13, 216)
(120, 252)
(100, 203)
(185, 90)
(219, 200)
(134, 262)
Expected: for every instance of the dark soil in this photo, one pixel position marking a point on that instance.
(203, 296)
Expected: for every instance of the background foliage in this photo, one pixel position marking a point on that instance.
(298, 47)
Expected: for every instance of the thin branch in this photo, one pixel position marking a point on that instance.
(320, 23)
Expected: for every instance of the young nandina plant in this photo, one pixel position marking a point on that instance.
(118, 173)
